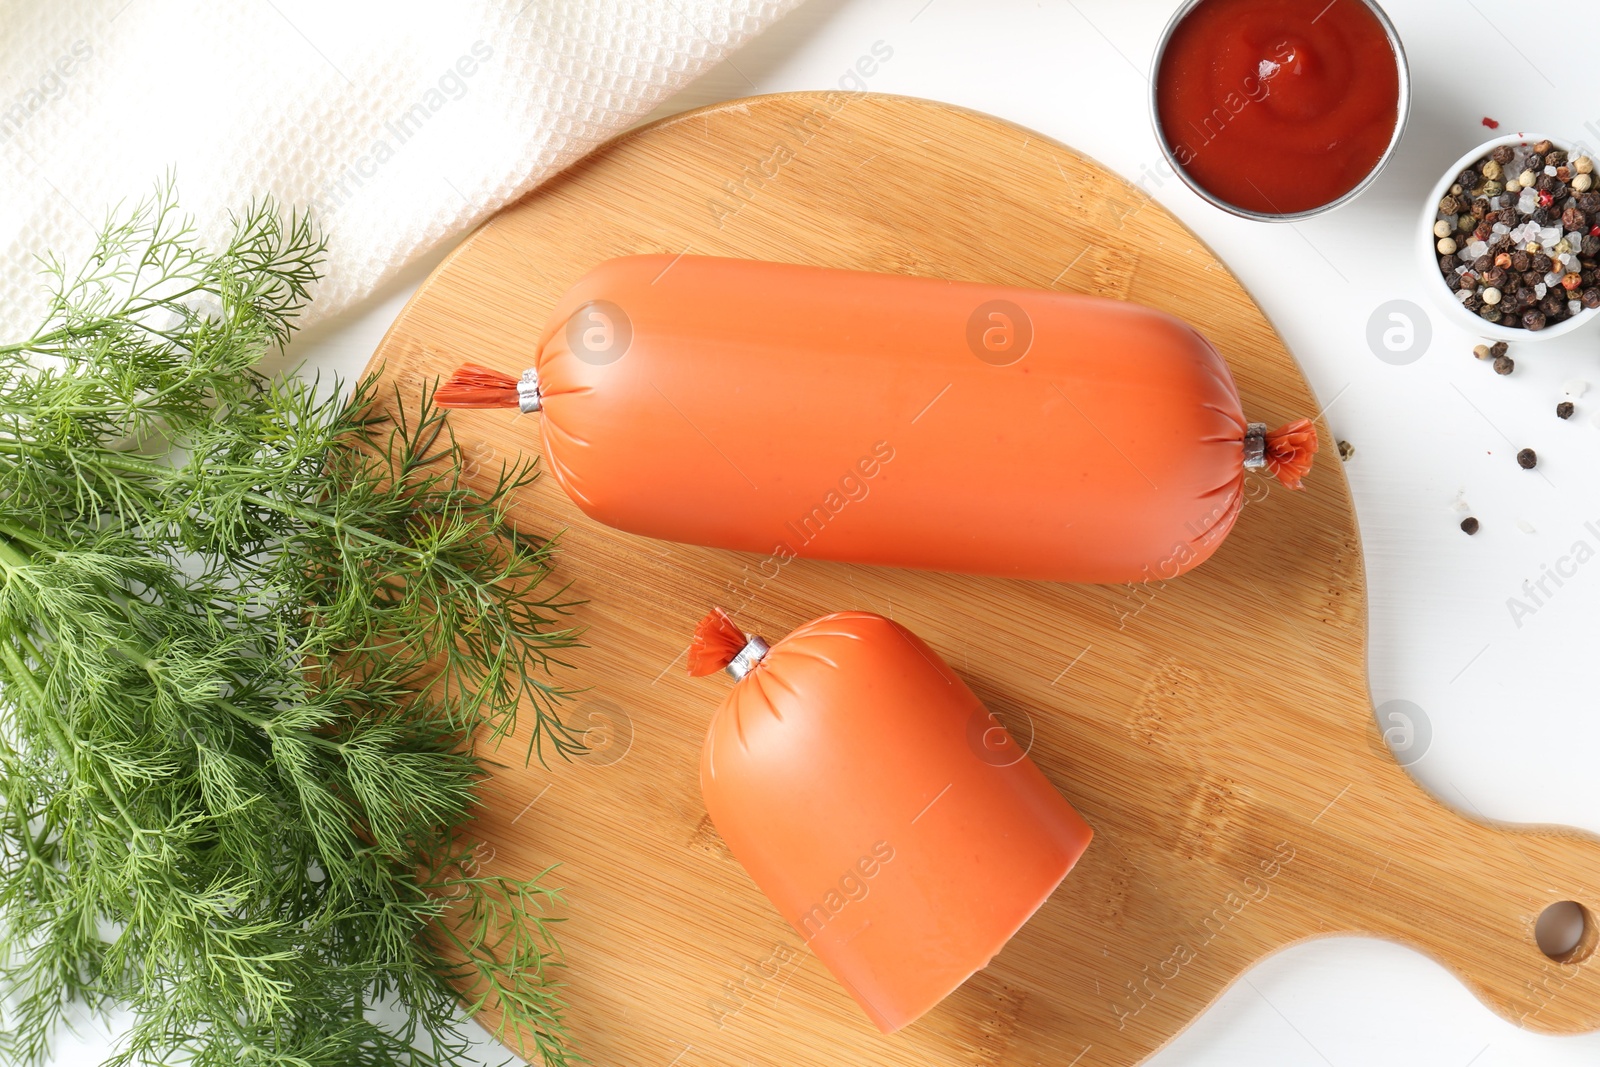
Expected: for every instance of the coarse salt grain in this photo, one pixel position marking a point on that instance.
(1525, 526)
(1478, 248)
(1574, 306)
(1463, 295)
(1540, 289)
(1501, 227)
(1550, 171)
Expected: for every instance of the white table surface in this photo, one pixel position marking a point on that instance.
(1511, 708)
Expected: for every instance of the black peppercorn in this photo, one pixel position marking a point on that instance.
(1490, 313)
(1503, 155)
(1468, 179)
(1543, 216)
(1447, 264)
(1591, 247)
(1542, 263)
(1480, 208)
(1452, 280)
(1473, 302)
(1527, 298)
(1500, 244)
(1504, 365)
(1469, 525)
(1564, 410)
(1591, 298)
(1527, 459)
(1573, 220)
(1589, 203)
(1555, 157)
(1496, 277)
(1520, 260)
(1498, 349)
(1482, 263)
(1532, 319)
(1552, 305)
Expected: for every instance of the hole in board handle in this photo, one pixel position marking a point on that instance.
(1566, 932)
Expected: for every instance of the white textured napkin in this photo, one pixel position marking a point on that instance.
(401, 123)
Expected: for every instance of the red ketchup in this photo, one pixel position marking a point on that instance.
(1278, 106)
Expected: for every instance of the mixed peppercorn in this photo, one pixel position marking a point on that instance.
(1518, 236)
(1499, 354)
(1503, 364)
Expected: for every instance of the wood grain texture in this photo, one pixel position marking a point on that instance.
(1215, 730)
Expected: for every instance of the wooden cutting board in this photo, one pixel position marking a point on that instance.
(1215, 730)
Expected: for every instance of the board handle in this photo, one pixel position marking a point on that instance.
(1469, 892)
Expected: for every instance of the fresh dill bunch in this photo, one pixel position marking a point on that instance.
(250, 632)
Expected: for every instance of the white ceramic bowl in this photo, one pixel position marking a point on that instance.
(1429, 254)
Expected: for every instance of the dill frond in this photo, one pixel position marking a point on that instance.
(249, 632)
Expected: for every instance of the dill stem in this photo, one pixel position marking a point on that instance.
(135, 465)
(65, 739)
(41, 342)
(129, 464)
(265, 725)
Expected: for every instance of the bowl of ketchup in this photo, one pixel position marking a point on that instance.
(1279, 109)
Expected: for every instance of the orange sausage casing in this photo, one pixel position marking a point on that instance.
(888, 419)
(883, 810)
